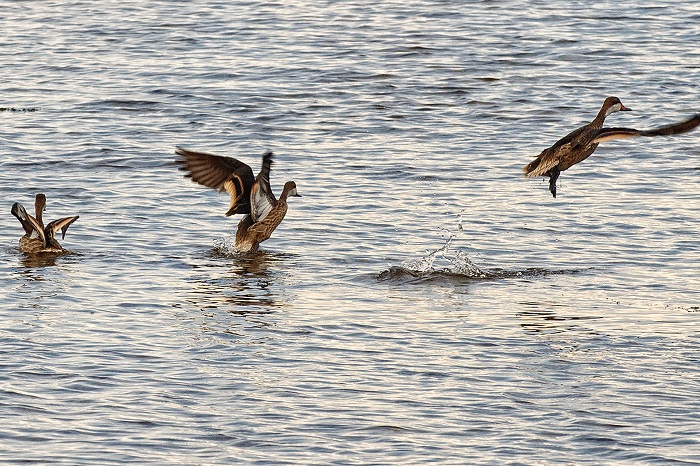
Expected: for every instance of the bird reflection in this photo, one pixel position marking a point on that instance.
(45, 259)
(255, 264)
(32, 261)
(245, 288)
(546, 321)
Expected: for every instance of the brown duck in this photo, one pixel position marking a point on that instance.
(37, 237)
(251, 196)
(579, 144)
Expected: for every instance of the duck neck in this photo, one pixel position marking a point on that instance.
(284, 195)
(600, 118)
(39, 206)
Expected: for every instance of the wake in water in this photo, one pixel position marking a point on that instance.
(225, 247)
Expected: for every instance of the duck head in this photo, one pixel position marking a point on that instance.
(613, 104)
(290, 189)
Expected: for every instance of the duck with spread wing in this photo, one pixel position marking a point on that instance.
(250, 196)
(582, 142)
(37, 237)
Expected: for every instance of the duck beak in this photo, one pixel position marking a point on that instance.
(624, 109)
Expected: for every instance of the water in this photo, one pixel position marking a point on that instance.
(422, 302)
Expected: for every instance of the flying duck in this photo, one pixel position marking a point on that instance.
(250, 196)
(37, 237)
(579, 144)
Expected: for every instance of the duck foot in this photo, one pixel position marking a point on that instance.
(553, 176)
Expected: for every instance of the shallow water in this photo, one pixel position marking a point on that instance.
(422, 302)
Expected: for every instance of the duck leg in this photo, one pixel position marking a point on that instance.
(553, 176)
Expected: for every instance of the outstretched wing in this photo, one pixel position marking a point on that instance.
(29, 223)
(261, 198)
(60, 224)
(608, 134)
(221, 173)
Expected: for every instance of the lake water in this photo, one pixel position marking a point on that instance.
(423, 302)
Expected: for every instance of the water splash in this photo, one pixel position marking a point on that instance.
(458, 263)
(446, 263)
(225, 246)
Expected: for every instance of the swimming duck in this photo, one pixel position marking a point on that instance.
(579, 144)
(250, 196)
(37, 237)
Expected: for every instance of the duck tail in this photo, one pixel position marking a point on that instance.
(532, 166)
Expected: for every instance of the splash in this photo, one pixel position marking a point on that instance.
(458, 263)
(225, 246)
(444, 263)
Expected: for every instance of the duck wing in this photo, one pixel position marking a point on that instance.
(574, 142)
(220, 173)
(263, 229)
(608, 134)
(61, 224)
(261, 198)
(29, 223)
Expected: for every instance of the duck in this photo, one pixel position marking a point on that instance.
(37, 237)
(582, 142)
(250, 196)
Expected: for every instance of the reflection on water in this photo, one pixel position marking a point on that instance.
(44, 259)
(238, 283)
(236, 293)
(547, 321)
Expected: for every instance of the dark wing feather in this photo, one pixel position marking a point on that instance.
(608, 134)
(29, 223)
(60, 224)
(20, 213)
(678, 128)
(39, 207)
(221, 173)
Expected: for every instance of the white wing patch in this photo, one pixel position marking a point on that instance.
(260, 203)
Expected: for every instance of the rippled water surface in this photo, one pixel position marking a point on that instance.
(422, 302)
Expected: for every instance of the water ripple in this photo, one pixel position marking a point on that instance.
(422, 303)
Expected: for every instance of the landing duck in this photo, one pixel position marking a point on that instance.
(579, 144)
(250, 196)
(37, 237)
